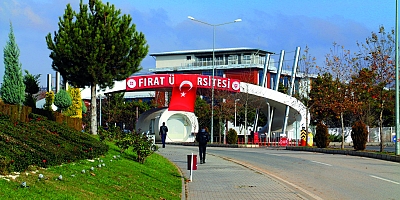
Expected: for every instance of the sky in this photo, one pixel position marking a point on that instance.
(270, 25)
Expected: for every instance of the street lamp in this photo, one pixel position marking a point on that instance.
(235, 110)
(213, 67)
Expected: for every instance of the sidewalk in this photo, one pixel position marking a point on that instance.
(219, 178)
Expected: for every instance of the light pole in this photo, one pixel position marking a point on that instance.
(235, 110)
(213, 67)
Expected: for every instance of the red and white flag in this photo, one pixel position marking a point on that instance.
(183, 95)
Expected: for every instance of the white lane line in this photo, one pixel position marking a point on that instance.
(272, 154)
(321, 163)
(383, 179)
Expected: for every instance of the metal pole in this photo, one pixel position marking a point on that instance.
(213, 68)
(235, 113)
(212, 87)
(397, 148)
(100, 109)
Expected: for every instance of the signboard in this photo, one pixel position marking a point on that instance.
(167, 81)
(283, 141)
(255, 138)
(303, 137)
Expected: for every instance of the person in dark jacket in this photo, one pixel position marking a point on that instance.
(202, 137)
(163, 133)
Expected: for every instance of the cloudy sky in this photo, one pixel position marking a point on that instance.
(271, 25)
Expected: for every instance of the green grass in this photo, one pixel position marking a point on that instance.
(120, 178)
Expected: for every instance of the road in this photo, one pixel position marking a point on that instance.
(326, 176)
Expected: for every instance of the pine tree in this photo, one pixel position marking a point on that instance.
(95, 47)
(13, 87)
(31, 88)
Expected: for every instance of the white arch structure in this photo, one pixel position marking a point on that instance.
(277, 102)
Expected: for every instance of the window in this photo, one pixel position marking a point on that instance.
(188, 57)
(232, 59)
(246, 59)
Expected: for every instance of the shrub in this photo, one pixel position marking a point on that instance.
(75, 110)
(44, 143)
(359, 134)
(49, 101)
(143, 147)
(5, 165)
(62, 100)
(232, 136)
(140, 143)
(321, 135)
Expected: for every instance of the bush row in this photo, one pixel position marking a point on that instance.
(43, 143)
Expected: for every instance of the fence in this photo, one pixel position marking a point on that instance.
(21, 113)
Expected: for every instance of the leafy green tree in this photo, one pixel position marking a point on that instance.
(96, 46)
(321, 95)
(203, 112)
(129, 115)
(62, 100)
(112, 108)
(13, 87)
(31, 88)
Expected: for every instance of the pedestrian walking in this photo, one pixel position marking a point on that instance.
(163, 133)
(202, 138)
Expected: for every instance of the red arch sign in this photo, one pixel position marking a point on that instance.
(168, 81)
(183, 87)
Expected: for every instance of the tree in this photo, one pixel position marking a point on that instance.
(320, 97)
(359, 134)
(95, 47)
(112, 108)
(13, 87)
(75, 110)
(378, 53)
(321, 135)
(342, 65)
(62, 100)
(306, 64)
(203, 111)
(362, 85)
(31, 88)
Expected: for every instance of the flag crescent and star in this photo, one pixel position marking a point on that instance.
(183, 94)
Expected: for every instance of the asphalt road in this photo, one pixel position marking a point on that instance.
(326, 176)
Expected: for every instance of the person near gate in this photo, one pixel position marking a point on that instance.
(202, 138)
(163, 133)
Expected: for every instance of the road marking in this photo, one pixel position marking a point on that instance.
(272, 154)
(321, 163)
(384, 179)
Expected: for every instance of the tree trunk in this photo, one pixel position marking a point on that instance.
(341, 121)
(380, 127)
(93, 111)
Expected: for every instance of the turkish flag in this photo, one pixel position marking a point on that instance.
(183, 93)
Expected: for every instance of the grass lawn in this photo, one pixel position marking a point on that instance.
(112, 178)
